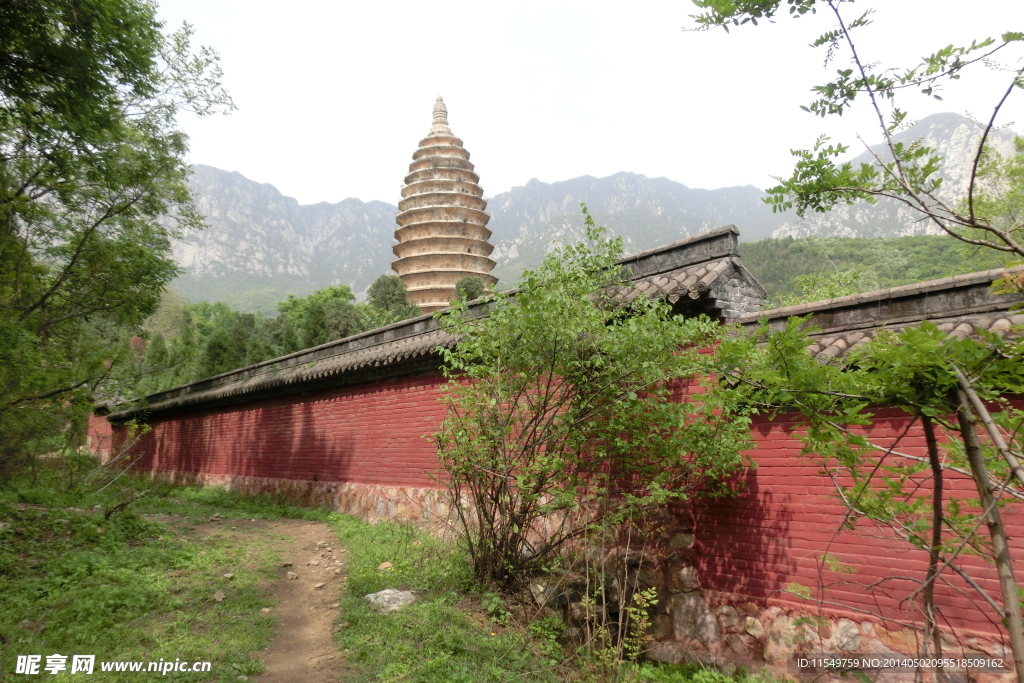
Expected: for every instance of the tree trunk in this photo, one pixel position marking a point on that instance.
(1000, 548)
(932, 624)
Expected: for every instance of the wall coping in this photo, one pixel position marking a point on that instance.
(948, 297)
(409, 347)
(401, 342)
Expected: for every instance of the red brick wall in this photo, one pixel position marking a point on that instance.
(776, 530)
(367, 434)
(98, 435)
(772, 534)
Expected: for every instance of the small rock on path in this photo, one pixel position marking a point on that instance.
(390, 599)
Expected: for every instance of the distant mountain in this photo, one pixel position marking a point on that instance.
(645, 212)
(954, 137)
(261, 246)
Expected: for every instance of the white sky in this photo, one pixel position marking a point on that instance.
(333, 96)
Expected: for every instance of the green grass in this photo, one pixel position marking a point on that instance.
(439, 639)
(133, 589)
(133, 592)
(434, 639)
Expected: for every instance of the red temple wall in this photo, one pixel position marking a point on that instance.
(750, 547)
(98, 435)
(788, 515)
(371, 434)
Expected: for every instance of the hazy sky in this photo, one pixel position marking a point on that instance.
(333, 96)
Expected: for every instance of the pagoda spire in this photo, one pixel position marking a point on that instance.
(440, 126)
(442, 234)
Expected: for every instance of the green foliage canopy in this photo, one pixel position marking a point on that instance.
(90, 161)
(200, 340)
(470, 288)
(387, 296)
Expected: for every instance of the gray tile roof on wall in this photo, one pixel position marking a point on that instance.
(838, 345)
(411, 345)
(701, 263)
(958, 305)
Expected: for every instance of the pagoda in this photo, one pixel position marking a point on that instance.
(442, 234)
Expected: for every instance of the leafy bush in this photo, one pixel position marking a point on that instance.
(560, 404)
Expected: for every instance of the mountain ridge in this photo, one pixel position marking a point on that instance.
(262, 245)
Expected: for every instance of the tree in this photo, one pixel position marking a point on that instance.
(930, 377)
(345, 319)
(227, 342)
(560, 407)
(387, 296)
(324, 315)
(907, 174)
(1000, 195)
(824, 285)
(90, 160)
(213, 338)
(470, 288)
(314, 326)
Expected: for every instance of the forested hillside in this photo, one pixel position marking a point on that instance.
(810, 268)
(188, 342)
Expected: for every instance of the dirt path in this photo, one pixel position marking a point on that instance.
(303, 649)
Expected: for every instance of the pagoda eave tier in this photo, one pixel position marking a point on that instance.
(473, 264)
(458, 175)
(440, 162)
(441, 140)
(441, 281)
(442, 199)
(421, 231)
(435, 298)
(453, 213)
(441, 152)
(442, 247)
(432, 300)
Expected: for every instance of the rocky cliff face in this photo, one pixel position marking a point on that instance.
(646, 212)
(262, 246)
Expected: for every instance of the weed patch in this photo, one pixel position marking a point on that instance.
(130, 589)
(435, 639)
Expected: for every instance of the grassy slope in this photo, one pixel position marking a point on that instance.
(129, 588)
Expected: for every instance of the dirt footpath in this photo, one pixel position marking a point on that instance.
(303, 649)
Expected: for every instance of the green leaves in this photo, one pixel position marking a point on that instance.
(562, 398)
(913, 370)
(905, 173)
(722, 13)
(822, 286)
(92, 190)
